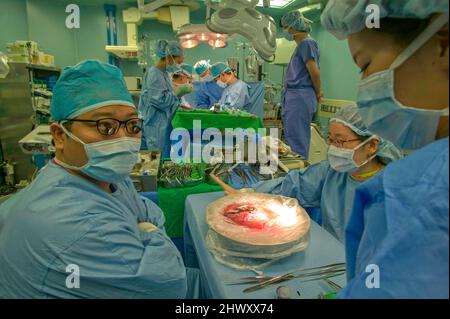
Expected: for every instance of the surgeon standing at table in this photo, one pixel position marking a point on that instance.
(209, 92)
(397, 242)
(302, 87)
(182, 84)
(158, 102)
(236, 92)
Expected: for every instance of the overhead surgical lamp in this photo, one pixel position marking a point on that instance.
(203, 37)
(241, 17)
(189, 44)
(218, 40)
(219, 36)
(217, 44)
(188, 36)
(191, 35)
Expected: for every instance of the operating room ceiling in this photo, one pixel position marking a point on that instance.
(124, 3)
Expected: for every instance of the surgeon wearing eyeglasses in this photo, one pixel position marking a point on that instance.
(82, 215)
(355, 155)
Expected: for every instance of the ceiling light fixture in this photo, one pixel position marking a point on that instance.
(217, 44)
(189, 44)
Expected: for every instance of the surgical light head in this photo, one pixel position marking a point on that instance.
(241, 17)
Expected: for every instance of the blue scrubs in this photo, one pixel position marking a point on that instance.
(300, 99)
(236, 95)
(318, 186)
(208, 94)
(158, 105)
(62, 219)
(400, 224)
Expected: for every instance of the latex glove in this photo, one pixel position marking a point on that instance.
(146, 227)
(216, 107)
(186, 107)
(183, 89)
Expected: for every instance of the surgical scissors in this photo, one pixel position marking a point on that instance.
(308, 274)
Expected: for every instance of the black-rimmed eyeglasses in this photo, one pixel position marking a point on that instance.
(110, 127)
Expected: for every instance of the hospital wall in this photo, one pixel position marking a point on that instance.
(340, 75)
(43, 21)
(13, 21)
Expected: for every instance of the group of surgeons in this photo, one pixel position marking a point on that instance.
(168, 85)
(390, 211)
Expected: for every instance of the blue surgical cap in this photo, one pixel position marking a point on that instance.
(218, 68)
(164, 48)
(201, 67)
(185, 69)
(296, 21)
(350, 117)
(87, 86)
(345, 17)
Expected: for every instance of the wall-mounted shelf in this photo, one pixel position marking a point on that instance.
(123, 52)
(44, 68)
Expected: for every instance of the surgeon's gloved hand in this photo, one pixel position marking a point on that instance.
(146, 227)
(241, 191)
(186, 107)
(183, 89)
(216, 107)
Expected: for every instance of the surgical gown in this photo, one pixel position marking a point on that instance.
(400, 224)
(236, 96)
(208, 94)
(62, 220)
(158, 105)
(318, 186)
(300, 99)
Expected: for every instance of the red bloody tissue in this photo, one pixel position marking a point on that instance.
(246, 214)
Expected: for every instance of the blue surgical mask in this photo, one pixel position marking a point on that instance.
(342, 159)
(109, 161)
(208, 78)
(223, 85)
(408, 127)
(287, 35)
(174, 67)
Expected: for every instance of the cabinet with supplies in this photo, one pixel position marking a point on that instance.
(25, 98)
